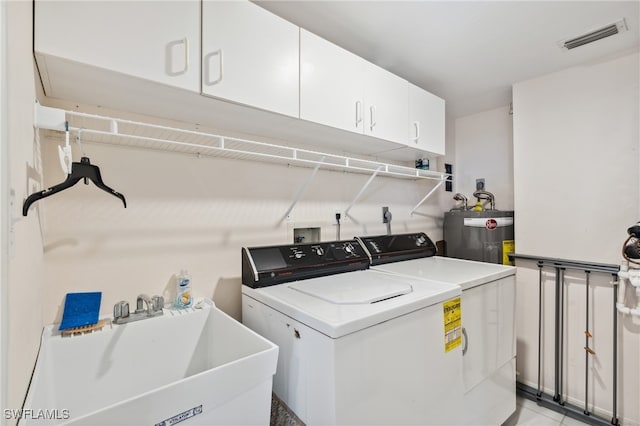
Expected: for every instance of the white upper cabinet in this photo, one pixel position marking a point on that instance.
(250, 56)
(386, 106)
(426, 121)
(157, 41)
(223, 64)
(331, 84)
(340, 89)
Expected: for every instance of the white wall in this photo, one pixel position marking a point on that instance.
(576, 175)
(25, 290)
(197, 213)
(484, 149)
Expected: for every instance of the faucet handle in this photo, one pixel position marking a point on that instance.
(157, 303)
(121, 310)
(140, 302)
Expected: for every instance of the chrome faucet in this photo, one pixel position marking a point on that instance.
(154, 305)
(485, 195)
(460, 197)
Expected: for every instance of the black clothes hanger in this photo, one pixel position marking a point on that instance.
(82, 170)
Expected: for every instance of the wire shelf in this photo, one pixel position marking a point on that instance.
(126, 133)
(91, 128)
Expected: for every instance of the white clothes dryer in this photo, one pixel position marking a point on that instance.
(488, 315)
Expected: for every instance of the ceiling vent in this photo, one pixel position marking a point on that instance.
(606, 31)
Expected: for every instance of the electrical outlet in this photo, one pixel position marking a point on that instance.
(386, 216)
(480, 184)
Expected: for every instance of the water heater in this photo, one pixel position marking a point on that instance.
(485, 236)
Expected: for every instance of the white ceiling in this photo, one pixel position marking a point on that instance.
(467, 52)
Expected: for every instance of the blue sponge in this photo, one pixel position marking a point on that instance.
(80, 309)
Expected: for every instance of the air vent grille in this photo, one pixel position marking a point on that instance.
(599, 34)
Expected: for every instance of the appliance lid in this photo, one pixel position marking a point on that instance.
(352, 291)
(465, 273)
(339, 319)
(398, 247)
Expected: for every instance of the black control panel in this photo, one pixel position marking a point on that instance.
(395, 248)
(266, 266)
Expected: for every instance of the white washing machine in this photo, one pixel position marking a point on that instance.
(355, 346)
(488, 313)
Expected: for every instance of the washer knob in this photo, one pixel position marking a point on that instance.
(421, 240)
(348, 248)
(319, 251)
(298, 254)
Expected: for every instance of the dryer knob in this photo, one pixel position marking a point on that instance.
(420, 241)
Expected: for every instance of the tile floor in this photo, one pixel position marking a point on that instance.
(531, 414)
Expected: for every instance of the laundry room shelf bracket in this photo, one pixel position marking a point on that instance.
(364, 188)
(434, 189)
(301, 191)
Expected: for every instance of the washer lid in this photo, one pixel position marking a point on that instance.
(352, 292)
(339, 319)
(465, 273)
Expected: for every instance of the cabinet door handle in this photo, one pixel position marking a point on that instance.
(217, 53)
(466, 341)
(358, 113)
(170, 51)
(186, 54)
(416, 125)
(372, 110)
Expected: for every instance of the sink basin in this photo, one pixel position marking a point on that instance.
(191, 366)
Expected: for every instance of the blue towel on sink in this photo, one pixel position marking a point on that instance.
(80, 309)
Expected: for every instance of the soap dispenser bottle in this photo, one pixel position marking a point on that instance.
(184, 299)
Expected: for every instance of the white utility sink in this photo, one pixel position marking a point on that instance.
(194, 366)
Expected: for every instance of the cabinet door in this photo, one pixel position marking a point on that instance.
(250, 56)
(157, 41)
(331, 84)
(426, 121)
(386, 106)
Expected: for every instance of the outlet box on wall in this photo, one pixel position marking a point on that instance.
(306, 235)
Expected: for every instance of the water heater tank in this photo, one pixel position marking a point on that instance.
(485, 236)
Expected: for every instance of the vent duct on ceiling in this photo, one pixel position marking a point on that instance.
(606, 31)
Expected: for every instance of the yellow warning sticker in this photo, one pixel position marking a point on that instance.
(452, 324)
(508, 247)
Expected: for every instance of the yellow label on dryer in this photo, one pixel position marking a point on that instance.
(508, 247)
(452, 324)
